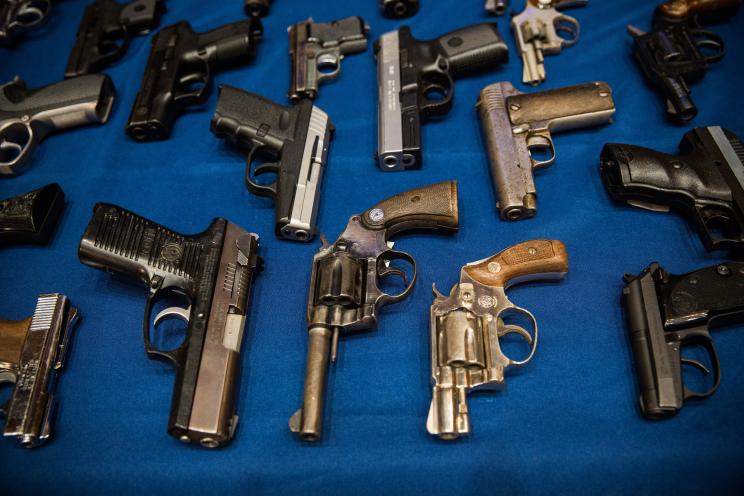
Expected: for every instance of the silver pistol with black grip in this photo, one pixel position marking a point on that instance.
(704, 182)
(317, 48)
(31, 217)
(28, 116)
(294, 139)
(537, 32)
(515, 124)
(214, 270)
(345, 293)
(466, 328)
(105, 31)
(415, 80)
(32, 354)
(399, 9)
(20, 16)
(668, 313)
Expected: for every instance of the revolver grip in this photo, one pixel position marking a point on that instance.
(473, 49)
(233, 44)
(708, 11)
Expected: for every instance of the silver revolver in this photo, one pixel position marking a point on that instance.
(536, 31)
(465, 328)
(32, 351)
(515, 123)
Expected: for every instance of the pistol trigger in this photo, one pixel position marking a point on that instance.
(696, 364)
(173, 312)
(634, 31)
(270, 168)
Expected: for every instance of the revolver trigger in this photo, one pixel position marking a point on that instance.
(696, 364)
(634, 31)
(394, 271)
(503, 330)
(173, 312)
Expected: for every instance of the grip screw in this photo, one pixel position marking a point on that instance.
(723, 270)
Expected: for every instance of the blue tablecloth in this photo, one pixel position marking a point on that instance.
(566, 423)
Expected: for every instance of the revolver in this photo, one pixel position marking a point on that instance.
(704, 182)
(19, 16)
(345, 292)
(466, 326)
(665, 313)
(105, 30)
(257, 8)
(31, 217)
(399, 9)
(28, 116)
(180, 70)
(536, 30)
(32, 354)
(214, 270)
(497, 7)
(515, 123)
(295, 139)
(317, 50)
(415, 80)
(678, 51)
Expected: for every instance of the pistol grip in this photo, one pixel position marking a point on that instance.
(31, 218)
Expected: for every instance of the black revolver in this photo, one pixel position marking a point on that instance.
(19, 16)
(257, 8)
(415, 81)
(27, 116)
(105, 31)
(180, 70)
(399, 9)
(666, 312)
(704, 182)
(31, 217)
(214, 270)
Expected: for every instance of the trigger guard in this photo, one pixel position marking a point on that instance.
(22, 150)
(388, 271)
(152, 352)
(504, 329)
(568, 25)
(33, 10)
(326, 60)
(268, 190)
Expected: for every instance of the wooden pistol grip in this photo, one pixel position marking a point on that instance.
(431, 207)
(12, 337)
(531, 260)
(682, 9)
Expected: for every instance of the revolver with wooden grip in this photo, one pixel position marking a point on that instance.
(345, 293)
(214, 270)
(466, 326)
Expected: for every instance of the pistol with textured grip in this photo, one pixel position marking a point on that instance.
(19, 16)
(214, 270)
(180, 71)
(345, 293)
(467, 325)
(294, 140)
(105, 31)
(31, 217)
(28, 116)
(537, 32)
(705, 183)
(399, 9)
(257, 8)
(32, 354)
(415, 81)
(515, 124)
(664, 314)
(317, 48)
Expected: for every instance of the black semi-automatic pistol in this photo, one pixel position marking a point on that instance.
(31, 217)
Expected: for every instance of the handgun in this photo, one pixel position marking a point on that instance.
(33, 352)
(19, 16)
(31, 217)
(705, 183)
(497, 7)
(317, 49)
(415, 81)
(257, 8)
(537, 32)
(180, 71)
(214, 270)
(105, 31)
(466, 328)
(666, 313)
(515, 124)
(677, 52)
(399, 9)
(295, 139)
(345, 293)
(28, 116)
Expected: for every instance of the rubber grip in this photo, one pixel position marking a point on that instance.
(473, 49)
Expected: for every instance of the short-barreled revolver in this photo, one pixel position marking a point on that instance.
(31, 217)
(665, 313)
(28, 116)
(257, 8)
(345, 293)
(415, 81)
(497, 7)
(399, 9)
(295, 140)
(536, 30)
(214, 270)
(466, 326)
(180, 71)
(19, 16)
(105, 31)
(678, 51)
(515, 123)
(317, 49)
(704, 182)
(32, 353)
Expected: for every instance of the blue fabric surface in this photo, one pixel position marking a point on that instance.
(566, 423)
